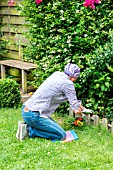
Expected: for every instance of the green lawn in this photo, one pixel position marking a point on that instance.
(93, 150)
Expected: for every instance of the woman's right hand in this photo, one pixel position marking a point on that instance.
(78, 112)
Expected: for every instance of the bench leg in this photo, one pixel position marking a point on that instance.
(2, 71)
(24, 81)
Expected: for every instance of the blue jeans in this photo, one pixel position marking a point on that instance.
(42, 127)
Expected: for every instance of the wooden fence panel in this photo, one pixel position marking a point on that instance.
(13, 27)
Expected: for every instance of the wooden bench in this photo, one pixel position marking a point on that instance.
(23, 66)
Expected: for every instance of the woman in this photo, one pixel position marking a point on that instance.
(37, 110)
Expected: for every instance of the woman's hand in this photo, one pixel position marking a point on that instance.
(78, 112)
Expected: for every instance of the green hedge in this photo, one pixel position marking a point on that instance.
(9, 93)
(60, 31)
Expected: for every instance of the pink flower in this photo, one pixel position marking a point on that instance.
(85, 4)
(92, 6)
(11, 2)
(97, 1)
(38, 1)
(90, 3)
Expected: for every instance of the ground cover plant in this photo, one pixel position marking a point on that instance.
(93, 150)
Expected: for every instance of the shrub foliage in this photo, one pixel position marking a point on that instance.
(9, 93)
(60, 31)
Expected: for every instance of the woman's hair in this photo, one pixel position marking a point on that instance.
(72, 70)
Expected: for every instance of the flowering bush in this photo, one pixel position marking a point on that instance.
(60, 31)
(86, 3)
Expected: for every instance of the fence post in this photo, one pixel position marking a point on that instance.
(96, 120)
(112, 127)
(87, 116)
(105, 123)
(71, 112)
(20, 52)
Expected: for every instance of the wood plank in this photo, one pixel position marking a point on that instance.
(12, 55)
(16, 20)
(12, 47)
(9, 10)
(14, 28)
(19, 64)
(17, 39)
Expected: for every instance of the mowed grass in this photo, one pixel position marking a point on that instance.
(93, 150)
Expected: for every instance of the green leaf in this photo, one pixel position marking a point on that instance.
(110, 68)
(102, 87)
(107, 84)
(97, 86)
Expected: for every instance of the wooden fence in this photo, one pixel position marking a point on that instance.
(13, 25)
(13, 28)
(95, 120)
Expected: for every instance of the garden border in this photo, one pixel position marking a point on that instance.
(96, 120)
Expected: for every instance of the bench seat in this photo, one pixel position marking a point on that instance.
(23, 66)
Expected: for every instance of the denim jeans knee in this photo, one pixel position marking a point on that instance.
(42, 127)
(63, 136)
